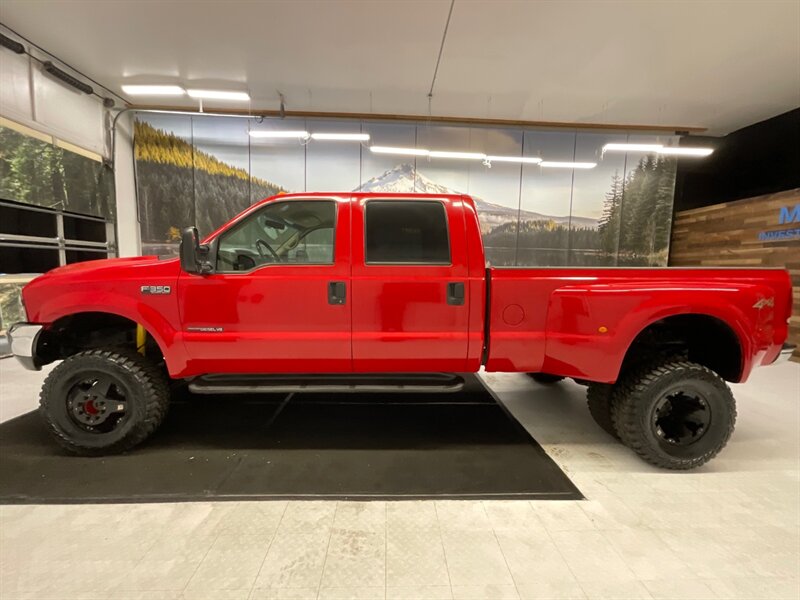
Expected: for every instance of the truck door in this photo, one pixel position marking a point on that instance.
(279, 298)
(410, 285)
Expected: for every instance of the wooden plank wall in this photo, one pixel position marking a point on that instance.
(727, 235)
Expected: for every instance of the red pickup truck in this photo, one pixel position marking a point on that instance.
(350, 291)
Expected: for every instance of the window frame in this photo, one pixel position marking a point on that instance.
(441, 204)
(254, 214)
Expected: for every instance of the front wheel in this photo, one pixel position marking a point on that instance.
(674, 414)
(103, 401)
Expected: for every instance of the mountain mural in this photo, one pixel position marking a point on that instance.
(43, 174)
(180, 184)
(403, 178)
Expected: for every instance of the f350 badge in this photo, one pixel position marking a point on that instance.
(156, 289)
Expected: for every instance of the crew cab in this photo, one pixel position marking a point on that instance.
(354, 291)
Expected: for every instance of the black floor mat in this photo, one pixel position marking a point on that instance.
(358, 446)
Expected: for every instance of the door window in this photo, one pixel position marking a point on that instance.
(406, 232)
(296, 232)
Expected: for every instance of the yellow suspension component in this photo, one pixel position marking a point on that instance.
(141, 339)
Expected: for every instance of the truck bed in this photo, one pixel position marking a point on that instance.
(580, 322)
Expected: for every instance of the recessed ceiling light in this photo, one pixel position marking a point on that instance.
(403, 151)
(567, 165)
(685, 151)
(515, 159)
(219, 95)
(266, 133)
(153, 90)
(344, 137)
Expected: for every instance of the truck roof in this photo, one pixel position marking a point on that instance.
(386, 195)
(306, 195)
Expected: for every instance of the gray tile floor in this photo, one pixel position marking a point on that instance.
(728, 530)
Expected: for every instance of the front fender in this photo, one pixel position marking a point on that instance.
(149, 317)
(117, 292)
(121, 287)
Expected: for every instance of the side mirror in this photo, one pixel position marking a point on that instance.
(194, 256)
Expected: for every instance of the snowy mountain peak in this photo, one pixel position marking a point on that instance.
(396, 179)
(404, 178)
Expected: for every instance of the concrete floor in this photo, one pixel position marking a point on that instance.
(728, 530)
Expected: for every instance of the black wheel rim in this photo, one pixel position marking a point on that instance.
(682, 417)
(97, 403)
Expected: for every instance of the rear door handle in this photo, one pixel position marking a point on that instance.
(337, 292)
(455, 293)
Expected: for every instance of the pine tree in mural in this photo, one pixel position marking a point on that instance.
(27, 170)
(662, 214)
(38, 172)
(609, 222)
(635, 215)
(179, 185)
(637, 212)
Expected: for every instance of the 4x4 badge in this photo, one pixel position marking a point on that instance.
(764, 302)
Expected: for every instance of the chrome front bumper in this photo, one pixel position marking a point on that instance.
(785, 354)
(22, 338)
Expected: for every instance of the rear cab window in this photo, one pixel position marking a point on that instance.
(410, 232)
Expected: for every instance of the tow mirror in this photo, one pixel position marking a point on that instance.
(194, 256)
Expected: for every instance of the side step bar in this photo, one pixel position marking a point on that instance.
(440, 383)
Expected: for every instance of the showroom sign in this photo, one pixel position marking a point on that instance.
(787, 215)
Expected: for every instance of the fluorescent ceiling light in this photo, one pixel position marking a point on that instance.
(659, 149)
(632, 148)
(266, 133)
(219, 95)
(404, 151)
(458, 155)
(515, 159)
(568, 165)
(345, 137)
(684, 151)
(153, 90)
(466, 155)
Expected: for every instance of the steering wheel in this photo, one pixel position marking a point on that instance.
(261, 243)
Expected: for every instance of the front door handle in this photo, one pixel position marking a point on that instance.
(455, 293)
(337, 292)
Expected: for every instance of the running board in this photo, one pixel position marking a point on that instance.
(440, 383)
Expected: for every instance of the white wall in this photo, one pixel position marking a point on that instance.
(125, 182)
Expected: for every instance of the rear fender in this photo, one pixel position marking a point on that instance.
(591, 327)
